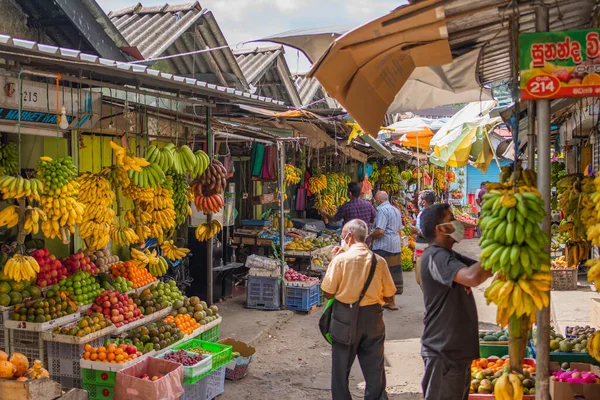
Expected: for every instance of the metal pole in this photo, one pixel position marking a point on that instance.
(209, 217)
(280, 178)
(543, 154)
(531, 111)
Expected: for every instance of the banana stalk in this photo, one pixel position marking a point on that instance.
(518, 333)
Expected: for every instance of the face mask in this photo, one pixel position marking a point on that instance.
(345, 246)
(459, 230)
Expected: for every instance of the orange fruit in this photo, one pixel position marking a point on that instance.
(102, 356)
(119, 351)
(87, 347)
(119, 358)
(86, 355)
(101, 349)
(94, 357)
(111, 348)
(110, 356)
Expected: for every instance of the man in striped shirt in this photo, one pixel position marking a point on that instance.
(386, 240)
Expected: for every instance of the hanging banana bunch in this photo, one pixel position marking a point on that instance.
(97, 197)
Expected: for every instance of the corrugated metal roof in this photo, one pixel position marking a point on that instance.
(175, 29)
(485, 23)
(67, 60)
(75, 24)
(265, 68)
(311, 91)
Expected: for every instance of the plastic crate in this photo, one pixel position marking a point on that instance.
(567, 336)
(561, 357)
(98, 392)
(263, 293)
(221, 354)
(193, 372)
(28, 343)
(301, 298)
(4, 333)
(207, 388)
(564, 279)
(211, 335)
(499, 350)
(63, 367)
(97, 377)
(72, 351)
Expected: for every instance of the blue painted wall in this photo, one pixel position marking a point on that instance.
(475, 177)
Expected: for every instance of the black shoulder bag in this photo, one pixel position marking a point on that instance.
(339, 320)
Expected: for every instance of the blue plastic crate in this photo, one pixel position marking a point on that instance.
(301, 298)
(263, 293)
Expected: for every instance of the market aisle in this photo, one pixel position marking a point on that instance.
(295, 362)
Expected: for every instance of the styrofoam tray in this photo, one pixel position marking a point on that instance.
(48, 336)
(43, 326)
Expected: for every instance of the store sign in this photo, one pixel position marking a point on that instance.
(559, 64)
(31, 116)
(40, 103)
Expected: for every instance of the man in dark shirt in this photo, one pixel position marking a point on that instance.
(450, 339)
(356, 208)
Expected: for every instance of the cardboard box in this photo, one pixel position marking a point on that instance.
(595, 312)
(237, 368)
(568, 391)
(263, 199)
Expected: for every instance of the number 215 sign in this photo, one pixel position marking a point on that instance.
(559, 64)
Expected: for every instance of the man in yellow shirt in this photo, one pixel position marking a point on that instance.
(344, 280)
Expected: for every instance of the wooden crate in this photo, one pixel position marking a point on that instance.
(38, 389)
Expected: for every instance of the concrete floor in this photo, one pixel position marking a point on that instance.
(293, 361)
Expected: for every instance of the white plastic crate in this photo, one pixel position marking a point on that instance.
(64, 367)
(4, 332)
(206, 388)
(30, 344)
(71, 351)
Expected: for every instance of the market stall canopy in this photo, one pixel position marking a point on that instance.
(312, 42)
(365, 68)
(464, 136)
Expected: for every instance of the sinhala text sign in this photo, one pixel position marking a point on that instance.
(560, 64)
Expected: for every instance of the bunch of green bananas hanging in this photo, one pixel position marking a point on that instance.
(526, 177)
(157, 265)
(389, 177)
(374, 177)
(182, 196)
(593, 345)
(9, 158)
(17, 187)
(513, 247)
(293, 174)
(59, 199)
(508, 387)
(96, 195)
(512, 241)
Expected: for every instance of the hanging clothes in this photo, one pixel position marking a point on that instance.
(257, 159)
(301, 198)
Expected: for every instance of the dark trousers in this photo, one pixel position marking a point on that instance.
(446, 379)
(368, 345)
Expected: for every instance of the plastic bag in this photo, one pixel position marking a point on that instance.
(129, 385)
(366, 189)
(260, 262)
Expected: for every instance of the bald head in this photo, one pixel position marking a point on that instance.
(381, 197)
(355, 231)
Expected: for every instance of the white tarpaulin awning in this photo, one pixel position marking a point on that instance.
(440, 85)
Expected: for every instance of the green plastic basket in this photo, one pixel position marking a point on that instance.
(585, 358)
(211, 335)
(499, 350)
(94, 377)
(99, 392)
(221, 355)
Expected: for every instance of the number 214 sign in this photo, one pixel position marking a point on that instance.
(559, 64)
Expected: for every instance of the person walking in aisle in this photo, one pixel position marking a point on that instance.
(386, 240)
(355, 208)
(450, 340)
(426, 199)
(346, 279)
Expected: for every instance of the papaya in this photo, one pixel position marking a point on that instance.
(7, 369)
(3, 356)
(20, 362)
